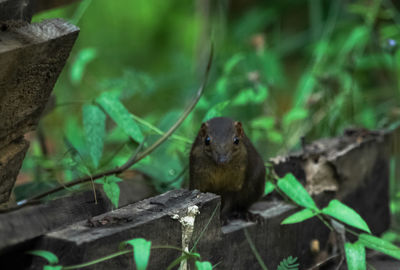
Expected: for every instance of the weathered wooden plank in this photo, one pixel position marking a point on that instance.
(154, 219)
(11, 158)
(27, 223)
(31, 58)
(353, 167)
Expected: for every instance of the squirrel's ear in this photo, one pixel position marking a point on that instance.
(203, 129)
(239, 128)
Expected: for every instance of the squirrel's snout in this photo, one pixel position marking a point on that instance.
(221, 159)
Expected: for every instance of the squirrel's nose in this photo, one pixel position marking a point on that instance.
(222, 159)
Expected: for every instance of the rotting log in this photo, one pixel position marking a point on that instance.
(157, 218)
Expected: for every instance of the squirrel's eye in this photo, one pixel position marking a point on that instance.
(236, 140)
(207, 140)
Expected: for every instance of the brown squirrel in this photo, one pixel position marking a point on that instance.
(225, 162)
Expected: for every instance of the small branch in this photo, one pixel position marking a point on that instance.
(138, 155)
(316, 266)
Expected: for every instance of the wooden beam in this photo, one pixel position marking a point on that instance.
(31, 59)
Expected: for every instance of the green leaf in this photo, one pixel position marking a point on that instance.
(232, 62)
(299, 216)
(295, 114)
(305, 88)
(292, 188)
(345, 214)
(380, 245)
(112, 189)
(222, 86)
(216, 110)
(141, 252)
(251, 96)
(355, 256)
(49, 256)
(263, 122)
(274, 136)
(79, 65)
(52, 267)
(203, 265)
(288, 264)
(94, 125)
(269, 187)
(120, 115)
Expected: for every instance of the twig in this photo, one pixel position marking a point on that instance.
(138, 155)
(323, 262)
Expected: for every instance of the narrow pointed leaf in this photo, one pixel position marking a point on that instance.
(380, 245)
(355, 256)
(345, 214)
(120, 115)
(112, 191)
(299, 216)
(141, 252)
(94, 125)
(49, 256)
(295, 191)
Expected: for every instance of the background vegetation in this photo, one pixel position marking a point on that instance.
(286, 69)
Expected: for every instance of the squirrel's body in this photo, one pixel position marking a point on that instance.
(224, 161)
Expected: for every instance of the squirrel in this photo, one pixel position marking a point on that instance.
(224, 161)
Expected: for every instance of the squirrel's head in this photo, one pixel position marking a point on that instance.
(222, 139)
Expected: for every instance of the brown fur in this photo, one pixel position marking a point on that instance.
(234, 171)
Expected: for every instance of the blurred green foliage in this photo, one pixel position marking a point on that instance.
(286, 69)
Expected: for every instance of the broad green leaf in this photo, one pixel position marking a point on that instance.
(94, 123)
(222, 86)
(49, 256)
(251, 96)
(263, 122)
(78, 67)
(141, 252)
(216, 110)
(274, 136)
(345, 214)
(203, 265)
(367, 118)
(112, 190)
(295, 114)
(380, 245)
(120, 115)
(269, 187)
(299, 216)
(355, 256)
(295, 191)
